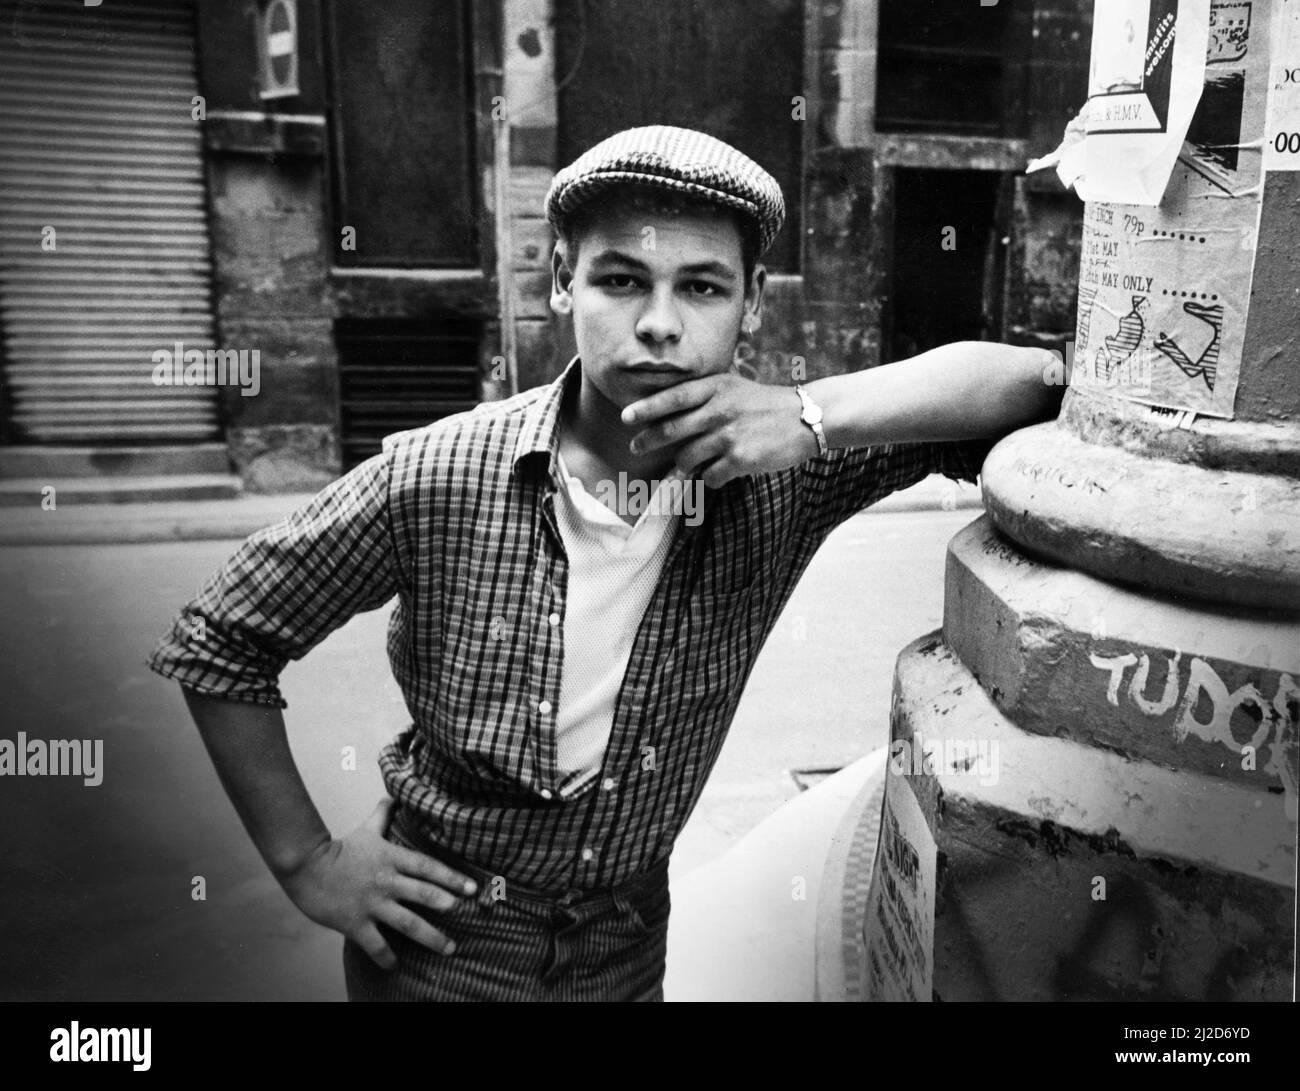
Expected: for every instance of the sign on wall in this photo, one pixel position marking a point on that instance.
(1164, 290)
(1282, 132)
(1144, 84)
(277, 49)
(898, 927)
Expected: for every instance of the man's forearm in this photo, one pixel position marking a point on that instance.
(250, 749)
(964, 390)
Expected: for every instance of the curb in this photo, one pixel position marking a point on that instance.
(215, 520)
(164, 521)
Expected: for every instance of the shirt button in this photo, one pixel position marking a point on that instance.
(587, 854)
(545, 793)
(554, 619)
(607, 783)
(544, 707)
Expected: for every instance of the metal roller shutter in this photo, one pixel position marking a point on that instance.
(97, 141)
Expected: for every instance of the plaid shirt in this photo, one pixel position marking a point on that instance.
(457, 520)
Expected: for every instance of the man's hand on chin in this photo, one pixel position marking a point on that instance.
(724, 426)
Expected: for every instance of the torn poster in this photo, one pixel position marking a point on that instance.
(898, 928)
(1144, 82)
(1163, 292)
(1068, 156)
(1282, 132)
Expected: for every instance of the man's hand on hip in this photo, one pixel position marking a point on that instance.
(355, 884)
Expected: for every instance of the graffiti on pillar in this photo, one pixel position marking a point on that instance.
(994, 546)
(1203, 706)
(1164, 289)
(1060, 475)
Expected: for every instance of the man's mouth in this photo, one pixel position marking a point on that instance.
(658, 369)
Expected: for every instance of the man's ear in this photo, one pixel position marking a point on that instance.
(561, 280)
(753, 316)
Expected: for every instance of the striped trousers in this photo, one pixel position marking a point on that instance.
(600, 945)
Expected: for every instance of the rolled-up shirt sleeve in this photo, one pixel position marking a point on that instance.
(963, 459)
(284, 590)
(845, 480)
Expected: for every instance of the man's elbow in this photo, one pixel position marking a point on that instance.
(1035, 396)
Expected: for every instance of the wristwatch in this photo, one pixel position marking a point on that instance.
(812, 416)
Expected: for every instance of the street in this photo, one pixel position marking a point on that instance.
(101, 894)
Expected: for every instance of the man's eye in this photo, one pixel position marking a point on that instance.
(703, 287)
(621, 281)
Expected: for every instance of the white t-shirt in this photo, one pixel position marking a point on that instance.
(614, 568)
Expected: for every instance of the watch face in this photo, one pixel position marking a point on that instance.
(812, 414)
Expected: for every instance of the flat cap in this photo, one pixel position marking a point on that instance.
(678, 160)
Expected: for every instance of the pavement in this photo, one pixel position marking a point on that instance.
(146, 886)
(172, 520)
(765, 920)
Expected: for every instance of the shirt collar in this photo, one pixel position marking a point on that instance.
(540, 433)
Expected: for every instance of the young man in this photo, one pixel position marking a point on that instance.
(571, 657)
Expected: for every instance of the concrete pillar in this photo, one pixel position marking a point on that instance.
(1211, 510)
(1102, 739)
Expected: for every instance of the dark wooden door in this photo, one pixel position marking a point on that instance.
(403, 130)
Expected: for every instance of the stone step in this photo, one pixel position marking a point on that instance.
(69, 492)
(1062, 653)
(1223, 536)
(1195, 871)
(31, 461)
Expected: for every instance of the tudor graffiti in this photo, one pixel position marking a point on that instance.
(1256, 720)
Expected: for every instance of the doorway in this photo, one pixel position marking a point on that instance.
(944, 282)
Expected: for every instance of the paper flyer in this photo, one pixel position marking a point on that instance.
(898, 928)
(1144, 82)
(1282, 132)
(1164, 291)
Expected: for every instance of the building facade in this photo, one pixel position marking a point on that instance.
(354, 193)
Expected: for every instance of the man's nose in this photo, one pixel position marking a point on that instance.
(660, 320)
